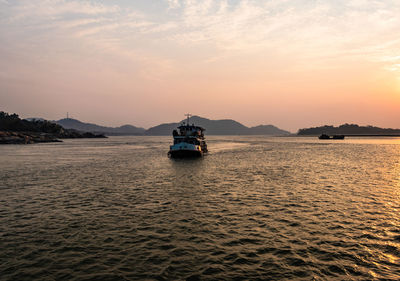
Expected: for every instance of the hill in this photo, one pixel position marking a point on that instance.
(267, 130)
(348, 129)
(13, 123)
(70, 123)
(14, 130)
(218, 127)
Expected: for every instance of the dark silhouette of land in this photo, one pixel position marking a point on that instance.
(349, 130)
(14, 130)
(70, 123)
(218, 127)
(213, 127)
(41, 130)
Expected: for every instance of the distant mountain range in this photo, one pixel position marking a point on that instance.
(69, 123)
(348, 129)
(213, 127)
(218, 127)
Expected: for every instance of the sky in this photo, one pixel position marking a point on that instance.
(290, 63)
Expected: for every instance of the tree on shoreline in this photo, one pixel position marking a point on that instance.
(12, 122)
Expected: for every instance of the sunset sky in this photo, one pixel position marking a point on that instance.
(292, 64)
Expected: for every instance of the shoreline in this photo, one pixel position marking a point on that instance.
(26, 138)
(12, 137)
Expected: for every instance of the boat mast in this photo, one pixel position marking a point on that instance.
(188, 115)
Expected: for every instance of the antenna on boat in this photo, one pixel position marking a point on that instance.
(188, 115)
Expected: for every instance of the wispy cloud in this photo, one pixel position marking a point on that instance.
(214, 46)
(54, 26)
(305, 30)
(173, 4)
(55, 8)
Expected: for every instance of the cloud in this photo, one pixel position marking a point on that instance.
(305, 31)
(183, 47)
(311, 30)
(173, 4)
(55, 8)
(47, 28)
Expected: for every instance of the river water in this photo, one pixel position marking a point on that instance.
(255, 208)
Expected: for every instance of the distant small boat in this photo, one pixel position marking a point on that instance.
(324, 137)
(334, 137)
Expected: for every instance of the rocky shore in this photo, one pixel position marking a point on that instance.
(26, 138)
(35, 137)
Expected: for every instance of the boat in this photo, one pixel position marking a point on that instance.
(189, 141)
(324, 137)
(334, 137)
(338, 137)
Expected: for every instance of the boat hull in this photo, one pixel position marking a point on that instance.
(334, 137)
(185, 153)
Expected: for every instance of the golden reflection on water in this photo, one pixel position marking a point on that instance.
(373, 140)
(391, 258)
(347, 140)
(255, 207)
(229, 145)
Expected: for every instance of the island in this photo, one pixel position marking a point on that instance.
(349, 130)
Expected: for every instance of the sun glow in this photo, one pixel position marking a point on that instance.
(398, 85)
(257, 60)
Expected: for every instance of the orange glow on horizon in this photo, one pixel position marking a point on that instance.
(282, 63)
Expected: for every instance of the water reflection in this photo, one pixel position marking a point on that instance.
(254, 208)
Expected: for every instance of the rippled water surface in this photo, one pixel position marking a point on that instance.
(254, 208)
